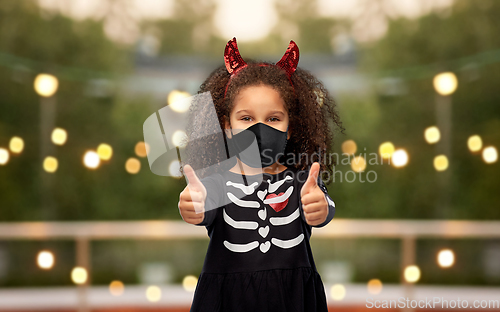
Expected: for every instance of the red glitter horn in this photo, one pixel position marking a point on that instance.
(232, 57)
(290, 59)
(234, 62)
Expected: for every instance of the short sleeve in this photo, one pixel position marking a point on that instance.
(214, 187)
(331, 203)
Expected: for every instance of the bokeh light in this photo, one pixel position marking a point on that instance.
(446, 258)
(358, 164)
(179, 138)
(374, 286)
(441, 162)
(490, 154)
(116, 288)
(412, 273)
(140, 149)
(79, 275)
(349, 147)
(475, 143)
(175, 169)
(432, 134)
(4, 156)
(174, 102)
(59, 136)
(133, 165)
(399, 158)
(338, 292)
(386, 150)
(16, 145)
(46, 85)
(91, 160)
(189, 283)
(104, 151)
(45, 259)
(153, 293)
(50, 164)
(445, 83)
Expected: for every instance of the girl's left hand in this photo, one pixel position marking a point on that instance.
(313, 199)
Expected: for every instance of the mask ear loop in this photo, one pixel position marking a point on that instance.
(287, 127)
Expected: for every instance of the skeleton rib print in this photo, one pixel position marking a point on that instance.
(267, 197)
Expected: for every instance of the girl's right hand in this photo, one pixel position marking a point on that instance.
(192, 198)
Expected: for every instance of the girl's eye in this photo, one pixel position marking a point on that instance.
(246, 118)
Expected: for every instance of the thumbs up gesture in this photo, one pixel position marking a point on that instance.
(192, 198)
(313, 199)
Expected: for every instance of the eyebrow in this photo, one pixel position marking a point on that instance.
(273, 112)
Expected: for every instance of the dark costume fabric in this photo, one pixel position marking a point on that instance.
(259, 257)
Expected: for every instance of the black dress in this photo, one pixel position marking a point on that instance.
(259, 257)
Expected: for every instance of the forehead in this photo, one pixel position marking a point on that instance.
(258, 98)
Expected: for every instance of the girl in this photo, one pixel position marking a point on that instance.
(259, 257)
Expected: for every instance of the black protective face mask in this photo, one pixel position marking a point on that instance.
(271, 143)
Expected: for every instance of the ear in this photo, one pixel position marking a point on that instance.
(289, 134)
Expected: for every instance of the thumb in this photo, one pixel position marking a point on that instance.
(193, 180)
(312, 179)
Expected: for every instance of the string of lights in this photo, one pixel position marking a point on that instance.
(444, 83)
(412, 72)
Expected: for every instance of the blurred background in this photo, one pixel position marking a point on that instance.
(416, 81)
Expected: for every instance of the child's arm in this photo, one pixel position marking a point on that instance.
(317, 205)
(331, 204)
(212, 202)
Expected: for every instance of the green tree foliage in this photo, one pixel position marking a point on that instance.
(66, 48)
(427, 46)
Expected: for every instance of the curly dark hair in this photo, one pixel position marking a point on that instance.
(312, 117)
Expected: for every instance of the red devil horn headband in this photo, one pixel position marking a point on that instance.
(234, 62)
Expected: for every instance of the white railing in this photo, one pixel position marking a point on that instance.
(85, 231)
